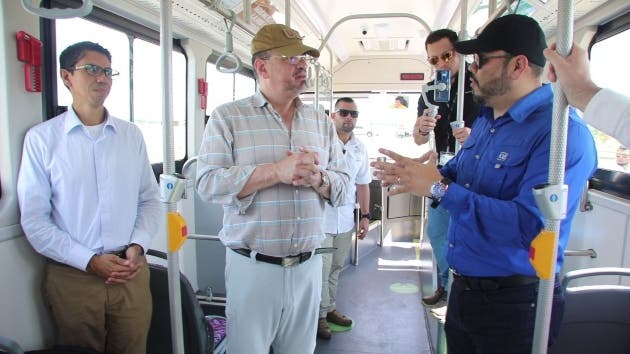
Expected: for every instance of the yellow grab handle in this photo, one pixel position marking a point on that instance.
(177, 231)
(541, 254)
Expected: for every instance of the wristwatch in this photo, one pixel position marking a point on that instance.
(366, 215)
(325, 183)
(439, 188)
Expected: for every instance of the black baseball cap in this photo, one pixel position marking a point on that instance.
(515, 34)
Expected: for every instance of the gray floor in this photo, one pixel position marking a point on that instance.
(386, 321)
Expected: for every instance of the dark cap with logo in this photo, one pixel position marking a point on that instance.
(282, 39)
(515, 34)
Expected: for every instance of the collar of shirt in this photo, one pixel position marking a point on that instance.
(259, 100)
(72, 121)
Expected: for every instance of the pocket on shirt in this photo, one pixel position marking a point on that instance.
(503, 167)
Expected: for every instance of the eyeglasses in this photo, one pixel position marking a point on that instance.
(446, 57)
(346, 112)
(95, 70)
(481, 60)
(296, 59)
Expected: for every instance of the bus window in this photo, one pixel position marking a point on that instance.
(606, 71)
(147, 88)
(383, 121)
(72, 31)
(147, 109)
(244, 86)
(224, 87)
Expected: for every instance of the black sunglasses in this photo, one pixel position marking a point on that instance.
(481, 60)
(345, 112)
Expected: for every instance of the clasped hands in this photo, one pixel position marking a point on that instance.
(300, 168)
(117, 270)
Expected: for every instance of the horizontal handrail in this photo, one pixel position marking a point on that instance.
(581, 253)
(204, 237)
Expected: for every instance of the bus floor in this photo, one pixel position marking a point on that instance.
(382, 296)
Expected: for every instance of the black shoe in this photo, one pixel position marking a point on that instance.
(436, 297)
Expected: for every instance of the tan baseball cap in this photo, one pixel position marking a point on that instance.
(282, 39)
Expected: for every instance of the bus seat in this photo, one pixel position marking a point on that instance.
(9, 346)
(203, 334)
(596, 317)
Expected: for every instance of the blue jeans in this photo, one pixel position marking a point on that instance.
(437, 229)
(499, 321)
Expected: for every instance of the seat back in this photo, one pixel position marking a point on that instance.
(198, 338)
(596, 318)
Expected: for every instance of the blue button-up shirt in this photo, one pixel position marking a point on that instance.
(493, 213)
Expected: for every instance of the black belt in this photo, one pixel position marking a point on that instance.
(494, 283)
(281, 261)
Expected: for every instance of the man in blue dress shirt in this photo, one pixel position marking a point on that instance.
(487, 190)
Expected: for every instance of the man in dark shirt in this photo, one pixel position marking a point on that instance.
(442, 55)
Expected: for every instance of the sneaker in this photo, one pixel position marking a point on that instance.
(436, 297)
(439, 313)
(338, 318)
(323, 331)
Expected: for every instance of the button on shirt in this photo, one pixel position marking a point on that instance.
(341, 219)
(81, 196)
(280, 220)
(493, 213)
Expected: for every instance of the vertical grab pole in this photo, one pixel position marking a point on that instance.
(355, 250)
(166, 49)
(551, 198)
(461, 74)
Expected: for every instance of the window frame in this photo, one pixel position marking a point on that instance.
(616, 183)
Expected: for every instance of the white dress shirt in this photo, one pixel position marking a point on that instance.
(80, 195)
(341, 219)
(609, 112)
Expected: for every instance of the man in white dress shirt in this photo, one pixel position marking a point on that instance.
(339, 221)
(90, 204)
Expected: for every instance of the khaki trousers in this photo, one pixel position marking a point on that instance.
(332, 265)
(88, 313)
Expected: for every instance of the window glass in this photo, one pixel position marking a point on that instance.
(223, 87)
(147, 82)
(147, 104)
(385, 121)
(75, 30)
(605, 55)
(244, 86)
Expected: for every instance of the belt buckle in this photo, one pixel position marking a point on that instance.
(289, 261)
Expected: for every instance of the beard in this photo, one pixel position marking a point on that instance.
(494, 87)
(347, 128)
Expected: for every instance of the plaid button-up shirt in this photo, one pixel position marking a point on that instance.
(280, 220)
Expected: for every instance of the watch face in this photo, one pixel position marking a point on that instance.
(437, 190)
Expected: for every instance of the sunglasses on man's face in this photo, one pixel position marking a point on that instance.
(446, 57)
(346, 112)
